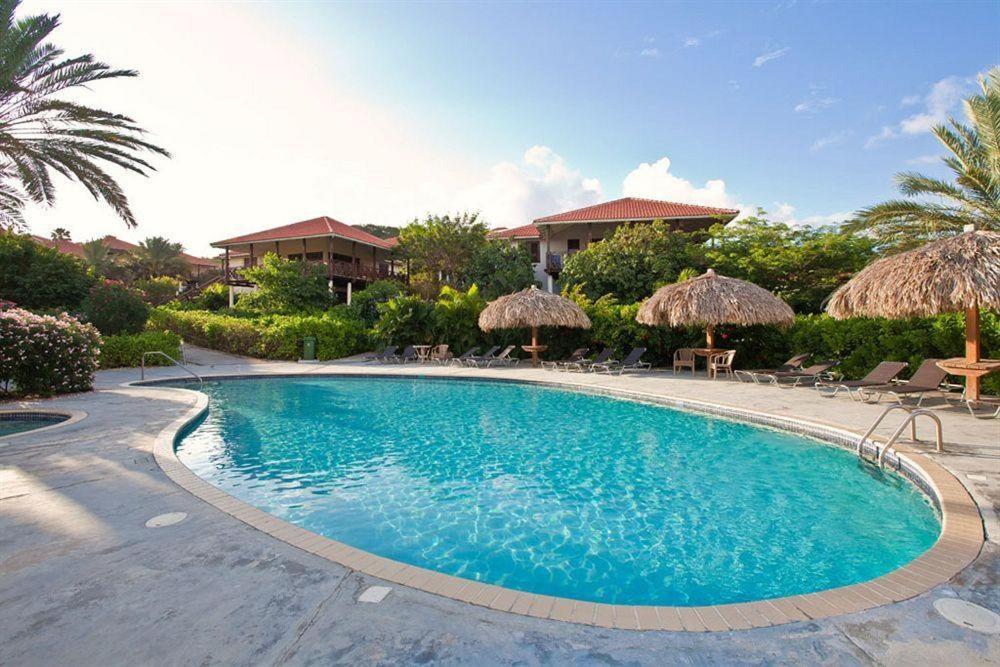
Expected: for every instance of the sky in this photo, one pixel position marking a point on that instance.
(380, 113)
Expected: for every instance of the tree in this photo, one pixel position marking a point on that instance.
(380, 231)
(801, 265)
(974, 196)
(286, 286)
(41, 134)
(156, 256)
(632, 262)
(439, 247)
(38, 277)
(499, 267)
(97, 256)
(60, 234)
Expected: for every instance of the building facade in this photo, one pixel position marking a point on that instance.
(552, 239)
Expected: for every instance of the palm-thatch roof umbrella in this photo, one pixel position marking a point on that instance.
(957, 274)
(532, 308)
(710, 300)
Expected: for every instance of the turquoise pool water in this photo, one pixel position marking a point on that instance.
(11, 424)
(558, 492)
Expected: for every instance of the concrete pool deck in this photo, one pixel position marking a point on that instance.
(84, 581)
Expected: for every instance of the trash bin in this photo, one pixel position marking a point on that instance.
(309, 348)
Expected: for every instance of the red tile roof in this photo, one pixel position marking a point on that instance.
(392, 241)
(525, 232)
(114, 243)
(633, 208)
(321, 226)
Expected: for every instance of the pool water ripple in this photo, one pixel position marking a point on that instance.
(558, 492)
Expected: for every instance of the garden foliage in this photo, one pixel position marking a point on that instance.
(286, 286)
(40, 278)
(115, 308)
(46, 354)
(125, 350)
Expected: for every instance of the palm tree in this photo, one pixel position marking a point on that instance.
(41, 135)
(60, 234)
(972, 199)
(97, 256)
(156, 256)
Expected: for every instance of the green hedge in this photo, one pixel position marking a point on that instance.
(125, 351)
(269, 336)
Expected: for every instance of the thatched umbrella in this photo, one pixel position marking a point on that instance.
(532, 308)
(961, 273)
(710, 300)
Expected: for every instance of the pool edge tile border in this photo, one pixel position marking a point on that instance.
(959, 544)
(72, 417)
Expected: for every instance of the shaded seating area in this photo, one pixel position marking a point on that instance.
(587, 365)
(577, 355)
(684, 359)
(882, 374)
(926, 380)
(632, 362)
(792, 364)
(796, 378)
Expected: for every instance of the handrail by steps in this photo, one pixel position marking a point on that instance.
(911, 418)
(142, 366)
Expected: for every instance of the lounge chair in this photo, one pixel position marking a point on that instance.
(884, 373)
(721, 362)
(804, 377)
(684, 358)
(409, 354)
(584, 365)
(792, 364)
(985, 407)
(385, 355)
(462, 358)
(926, 380)
(578, 355)
(629, 363)
(502, 359)
(475, 359)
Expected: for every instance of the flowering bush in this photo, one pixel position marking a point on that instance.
(115, 308)
(46, 354)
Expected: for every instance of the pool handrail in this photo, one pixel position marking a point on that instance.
(142, 365)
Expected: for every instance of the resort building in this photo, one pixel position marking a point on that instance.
(352, 257)
(197, 266)
(551, 239)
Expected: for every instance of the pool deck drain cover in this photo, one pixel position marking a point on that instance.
(374, 594)
(168, 519)
(967, 615)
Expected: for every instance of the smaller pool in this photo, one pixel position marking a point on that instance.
(19, 422)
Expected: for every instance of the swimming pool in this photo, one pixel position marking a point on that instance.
(19, 422)
(557, 492)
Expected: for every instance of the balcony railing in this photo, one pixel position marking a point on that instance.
(554, 262)
(334, 269)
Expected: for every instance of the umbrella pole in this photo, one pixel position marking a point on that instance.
(710, 337)
(534, 347)
(972, 350)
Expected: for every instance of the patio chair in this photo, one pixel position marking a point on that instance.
(409, 354)
(584, 365)
(440, 354)
(684, 358)
(792, 364)
(721, 362)
(577, 355)
(503, 359)
(926, 380)
(804, 377)
(462, 358)
(476, 359)
(387, 354)
(629, 363)
(884, 373)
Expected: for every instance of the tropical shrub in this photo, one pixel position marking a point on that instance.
(38, 277)
(405, 320)
(286, 286)
(365, 303)
(125, 350)
(456, 318)
(439, 247)
(338, 333)
(498, 268)
(157, 290)
(46, 354)
(115, 309)
(213, 297)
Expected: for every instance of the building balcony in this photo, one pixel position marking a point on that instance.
(336, 269)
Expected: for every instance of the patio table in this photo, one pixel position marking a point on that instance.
(423, 352)
(707, 352)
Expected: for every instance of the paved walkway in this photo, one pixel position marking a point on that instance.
(84, 582)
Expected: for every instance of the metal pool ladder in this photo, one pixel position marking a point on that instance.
(911, 419)
(142, 366)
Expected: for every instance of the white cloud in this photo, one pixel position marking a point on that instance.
(655, 181)
(256, 147)
(830, 140)
(785, 212)
(924, 159)
(767, 57)
(650, 53)
(691, 41)
(815, 103)
(734, 84)
(940, 101)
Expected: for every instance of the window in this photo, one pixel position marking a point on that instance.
(314, 256)
(572, 245)
(534, 252)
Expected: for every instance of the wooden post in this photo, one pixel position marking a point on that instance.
(251, 255)
(972, 350)
(303, 249)
(710, 337)
(534, 347)
(276, 247)
(329, 260)
(225, 266)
